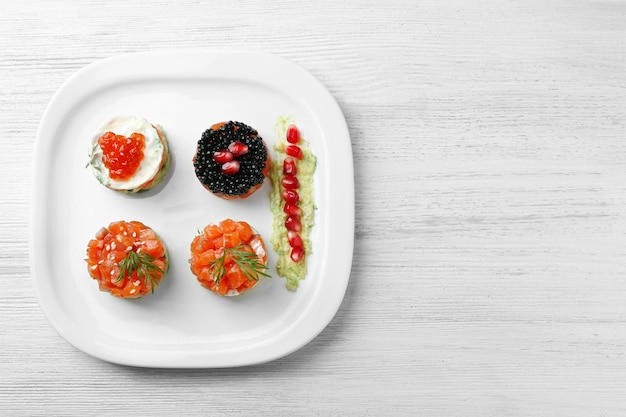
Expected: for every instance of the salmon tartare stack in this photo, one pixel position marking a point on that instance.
(228, 258)
(127, 259)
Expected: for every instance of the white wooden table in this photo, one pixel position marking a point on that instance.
(489, 271)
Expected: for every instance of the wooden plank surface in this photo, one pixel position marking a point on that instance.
(489, 271)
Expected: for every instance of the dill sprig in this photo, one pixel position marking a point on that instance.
(249, 263)
(142, 263)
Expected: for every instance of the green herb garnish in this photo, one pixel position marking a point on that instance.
(142, 263)
(248, 262)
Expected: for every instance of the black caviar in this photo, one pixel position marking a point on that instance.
(252, 164)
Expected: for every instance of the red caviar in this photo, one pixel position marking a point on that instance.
(121, 155)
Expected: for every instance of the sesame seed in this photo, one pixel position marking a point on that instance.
(108, 247)
(136, 283)
(112, 272)
(134, 234)
(133, 291)
(129, 248)
(113, 245)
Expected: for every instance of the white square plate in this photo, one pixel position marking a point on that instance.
(182, 324)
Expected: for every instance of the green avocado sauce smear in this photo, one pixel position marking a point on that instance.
(292, 201)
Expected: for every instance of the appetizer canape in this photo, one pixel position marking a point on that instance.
(127, 259)
(129, 154)
(228, 258)
(231, 160)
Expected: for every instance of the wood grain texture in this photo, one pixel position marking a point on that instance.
(489, 272)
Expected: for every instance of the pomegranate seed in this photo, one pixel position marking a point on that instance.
(290, 182)
(290, 196)
(297, 254)
(231, 167)
(295, 241)
(293, 134)
(221, 157)
(289, 166)
(292, 210)
(293, 150)
(293, 224)
(238, 148)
